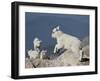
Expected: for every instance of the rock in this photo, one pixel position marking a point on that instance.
(66, 58)
(85, 42)
(35, 62)
(86, 56)
(86, 51)
(28, 64)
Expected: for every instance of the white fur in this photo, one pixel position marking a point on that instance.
(33, 54)
(37, 44)
(81, 55)
(57, 47)
(66, 41)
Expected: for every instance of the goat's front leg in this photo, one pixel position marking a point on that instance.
(55, 49)
(81, 55)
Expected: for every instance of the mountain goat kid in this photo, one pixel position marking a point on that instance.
(43, 54)
(33, 54)
(36, 52)
(66, 41)
(37, 44)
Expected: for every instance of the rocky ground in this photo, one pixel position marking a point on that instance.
(65, 59)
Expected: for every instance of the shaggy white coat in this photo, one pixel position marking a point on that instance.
(66, 41)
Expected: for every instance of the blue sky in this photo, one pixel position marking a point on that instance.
(41, 24)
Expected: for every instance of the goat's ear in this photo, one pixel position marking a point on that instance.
(57, 28)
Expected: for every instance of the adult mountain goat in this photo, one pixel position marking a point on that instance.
(66, 41)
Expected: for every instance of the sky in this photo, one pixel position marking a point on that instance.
(41, 24)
